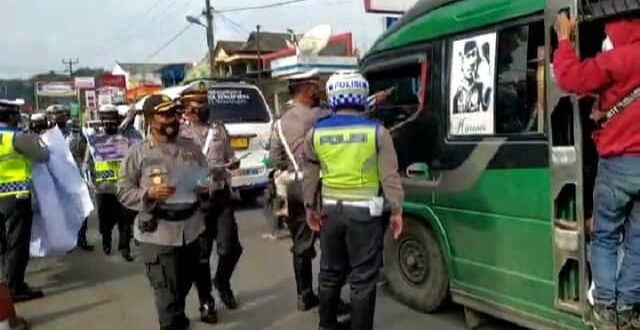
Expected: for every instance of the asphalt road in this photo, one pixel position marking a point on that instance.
(96, 292)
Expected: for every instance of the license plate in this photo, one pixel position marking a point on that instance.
(240, 143)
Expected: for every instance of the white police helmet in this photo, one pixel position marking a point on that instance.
(347, 89)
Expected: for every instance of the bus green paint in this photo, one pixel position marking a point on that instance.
(455, 18)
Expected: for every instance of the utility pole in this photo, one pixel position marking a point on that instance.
(210, 40)
(70, 63)
(258, 51)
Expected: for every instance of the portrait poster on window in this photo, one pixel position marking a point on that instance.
(471, 104)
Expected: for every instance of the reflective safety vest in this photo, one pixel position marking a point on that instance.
(15, 169)
(346, 147)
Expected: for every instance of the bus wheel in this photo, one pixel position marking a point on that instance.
(415, 269)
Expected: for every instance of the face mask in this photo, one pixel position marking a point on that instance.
(203, 114)
(607, 45)
(170, 130)
(111, 128)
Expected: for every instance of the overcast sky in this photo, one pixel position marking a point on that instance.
(37, 34)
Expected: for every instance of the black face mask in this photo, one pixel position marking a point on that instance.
(170, 130)
(203, 114)
(111, 128)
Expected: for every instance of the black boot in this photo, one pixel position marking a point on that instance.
(25, 293)
(222, 280)
(106, 246)
(84, 245)
(126, 255)
(82, 238)
(208, 312)
(304, 284)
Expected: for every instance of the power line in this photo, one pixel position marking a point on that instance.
(271, 5)
(130, 27)
(168, 43)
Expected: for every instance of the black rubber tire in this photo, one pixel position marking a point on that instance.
(429, 290)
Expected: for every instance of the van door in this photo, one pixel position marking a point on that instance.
(567, 180)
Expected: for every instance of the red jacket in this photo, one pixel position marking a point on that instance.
(612, 75)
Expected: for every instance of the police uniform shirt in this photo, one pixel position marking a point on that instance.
(30, 145)
(219, 152)
(387, 168)
(149, 163)
(295, 123)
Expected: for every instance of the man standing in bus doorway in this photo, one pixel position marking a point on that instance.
(17, 151)
(220, 222)
(286, 155)
(356, 159)
(614, 75)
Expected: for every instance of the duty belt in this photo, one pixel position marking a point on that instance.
(333, 202)
(175, 215)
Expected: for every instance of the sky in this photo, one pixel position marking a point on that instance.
(38, 34)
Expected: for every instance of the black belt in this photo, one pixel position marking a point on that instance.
(175, 215)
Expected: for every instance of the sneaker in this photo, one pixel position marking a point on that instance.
(607, 317)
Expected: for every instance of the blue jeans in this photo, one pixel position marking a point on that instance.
(616, 213)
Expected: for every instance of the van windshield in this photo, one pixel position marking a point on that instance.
(237, 105)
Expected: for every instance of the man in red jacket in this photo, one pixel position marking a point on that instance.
(613, 75)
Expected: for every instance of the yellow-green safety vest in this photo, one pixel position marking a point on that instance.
(15, 169)
(346, 147)
(104, 171)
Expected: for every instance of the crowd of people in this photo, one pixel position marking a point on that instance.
(134, 182)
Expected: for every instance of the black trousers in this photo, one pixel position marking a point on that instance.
(110, 213)
(15, 235)
(350, 241)
(170, 271)
(304, 239)
(221, 227)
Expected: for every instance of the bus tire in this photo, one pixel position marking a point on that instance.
(415, 269)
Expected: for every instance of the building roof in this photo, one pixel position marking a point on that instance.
(269, 42)
(230, 46)
(142, 68)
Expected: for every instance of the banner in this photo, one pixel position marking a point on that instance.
(90, 101)
(55, 88)
(112, 89)
(113, 80)
(85, 83)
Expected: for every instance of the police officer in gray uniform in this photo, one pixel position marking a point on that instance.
(17, 151)
(220, 221)
(169, 234)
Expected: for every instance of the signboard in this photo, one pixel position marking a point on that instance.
(90, 99)
(286, 66)
(113, 80)
(85, 83)
(55, 88)
(388, 6)
(112, 90)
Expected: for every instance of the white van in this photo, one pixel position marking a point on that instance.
(243, 109)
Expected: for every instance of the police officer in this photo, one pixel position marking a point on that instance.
(169, 234)
(356, 159)
(220, 221)
(58, 115)
(17, 151)
(104, 172)
(288, 139)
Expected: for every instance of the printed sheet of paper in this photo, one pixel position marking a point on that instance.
(186, 180)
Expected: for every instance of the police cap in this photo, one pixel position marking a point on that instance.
(9, 106)
(157, 103)
(194, 93)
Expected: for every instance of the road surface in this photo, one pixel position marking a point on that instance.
(96, 292)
